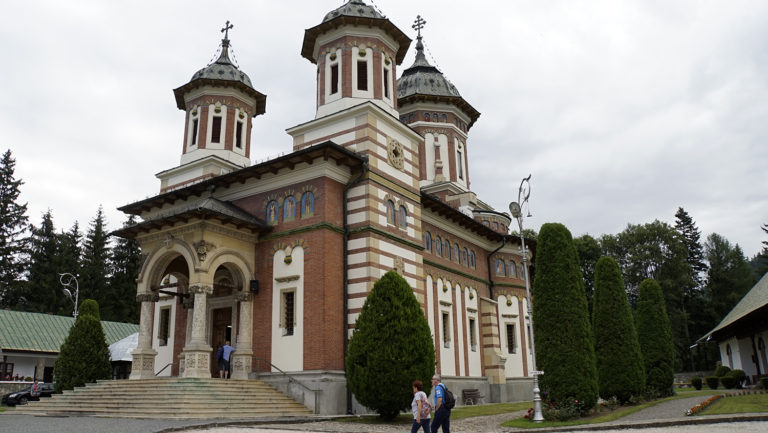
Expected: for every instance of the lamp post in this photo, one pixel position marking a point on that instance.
(517, 212)
(66, 280)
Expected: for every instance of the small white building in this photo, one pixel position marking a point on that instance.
(743, 333)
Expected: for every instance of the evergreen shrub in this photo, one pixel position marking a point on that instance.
(722, 370)
(620, 369)
(655, 337)
(739, 376)
(84, 355)
(712, 382)
(390, 347)
(764, 382)
(696, 383)
(728, 381)
(564, 345)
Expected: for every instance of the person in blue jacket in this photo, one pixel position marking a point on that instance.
(442, 414)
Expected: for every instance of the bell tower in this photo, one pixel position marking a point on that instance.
(219, 103)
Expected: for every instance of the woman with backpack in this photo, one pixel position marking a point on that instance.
(420, 407)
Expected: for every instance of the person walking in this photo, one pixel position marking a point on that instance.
(226, 352)
(420, 407)
(442, 413)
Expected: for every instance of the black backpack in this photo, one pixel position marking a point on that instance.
(448, 399)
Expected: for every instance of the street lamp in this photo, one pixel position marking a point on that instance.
(66, 280)
(517, 212)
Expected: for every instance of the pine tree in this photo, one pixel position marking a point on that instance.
(729, 277)
(759, 263)
(125, 264)
(94, 275)
(564, 345)
(620, 369)
(69, 260)
(390, 348)
(13, 224)
(655, 337)
(44, 292)
(84, 355)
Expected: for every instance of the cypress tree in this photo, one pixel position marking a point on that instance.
(13, 224)
(390, 348)
(84, 355)
(620, 369)
(655, 337)
(564, 345)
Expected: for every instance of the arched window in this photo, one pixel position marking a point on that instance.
(272, 212)
(447, 248)
(512, 270)
(455, 254)
(402, 217)
(390, 212)
(307, 204)
(500, 267)
(472, 259)
(486, 223)
(427, 241)
(465, 257)
(730, 355)
(444, 118)
(496, 225)
(289, 208)
(426, 117)
(438, 246)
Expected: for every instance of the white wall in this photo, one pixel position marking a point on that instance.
(288, 350)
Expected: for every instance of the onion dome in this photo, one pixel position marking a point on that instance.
(424, 82)
(355, 13)
(222, 72)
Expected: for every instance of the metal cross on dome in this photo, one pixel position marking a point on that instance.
(226, 28)
(418, 24)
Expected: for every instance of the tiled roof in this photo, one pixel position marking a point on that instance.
(37, 332)
(756, 298)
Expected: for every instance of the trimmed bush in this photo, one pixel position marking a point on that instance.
(84, 355)
(696, 383)
(390, 348)
(728, 381)
(564, 344)
(712, 382)
(722, 370)
(739, 376)
(655, 337)
(620, 370)
(764, 382)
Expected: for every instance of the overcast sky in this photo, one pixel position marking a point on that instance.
(621, 110)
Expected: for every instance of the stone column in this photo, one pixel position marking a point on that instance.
(143, 365)
(197, 353)
(243, 355)
(40, 369)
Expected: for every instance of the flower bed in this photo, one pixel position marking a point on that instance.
(699, 407)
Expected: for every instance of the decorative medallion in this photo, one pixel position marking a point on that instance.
(395, 153)
(202, 248)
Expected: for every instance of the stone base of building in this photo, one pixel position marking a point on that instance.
(240, 366)
(197, 362)
(143, 366)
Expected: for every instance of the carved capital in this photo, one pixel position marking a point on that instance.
(147, 297)
(201, 288)
(244, 296)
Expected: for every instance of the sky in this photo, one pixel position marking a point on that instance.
(622, 111)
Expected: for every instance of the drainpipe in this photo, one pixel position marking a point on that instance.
(490, 276)
(344, 273)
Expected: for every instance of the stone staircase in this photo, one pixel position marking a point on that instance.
(170, 398)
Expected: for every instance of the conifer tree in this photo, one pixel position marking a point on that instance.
(589, 253)
(620, 369)
(13, 224)
(693, 294)
(729, 277)
(655, 337)
(84, 355)
(390, 348)
(70, 250)
(44, 292)
(94, 274)
(125, 263)
(564, 345)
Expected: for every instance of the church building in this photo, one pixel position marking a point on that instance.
(278, 257)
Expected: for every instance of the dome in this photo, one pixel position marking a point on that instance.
(424, 79)
(353, 8)
(223, 69)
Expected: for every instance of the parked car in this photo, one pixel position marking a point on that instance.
(23, 396)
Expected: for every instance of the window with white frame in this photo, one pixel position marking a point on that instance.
(472, 335)
(288, 311)
(511, 345)
(164, 326)
(446, 329)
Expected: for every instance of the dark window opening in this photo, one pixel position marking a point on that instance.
(288, 302)
(216, 129)
(362, 75)
(446, 330)
(472, 338)
(386, 83)
(194, 132)
(164, 325)
(239, 135)
(511, 339)
(334, 79)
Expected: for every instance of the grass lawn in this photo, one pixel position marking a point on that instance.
(457, 413)
(738, 404)
(619, 412)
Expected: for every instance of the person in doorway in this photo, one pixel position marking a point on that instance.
(420, 407)
(225, 355)
(442, 413)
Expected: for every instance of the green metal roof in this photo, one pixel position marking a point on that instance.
(38, 332)
(756, 298)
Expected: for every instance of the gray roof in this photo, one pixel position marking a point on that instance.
(223, 68)
(424, 79)
(121, 350)
(353, 8)
(756, 298)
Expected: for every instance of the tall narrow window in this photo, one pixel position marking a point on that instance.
(460, 164)
(164, 325)
(362, 75)
(529, 338)
(511, 347)
(427, 241)
(334, 79)
(446, 330)
(288, 312)
(239, 135)
(194, 132)
(216, 129)
(472, 337)
(386, 83)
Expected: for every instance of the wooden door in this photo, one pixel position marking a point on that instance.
(221, 331)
